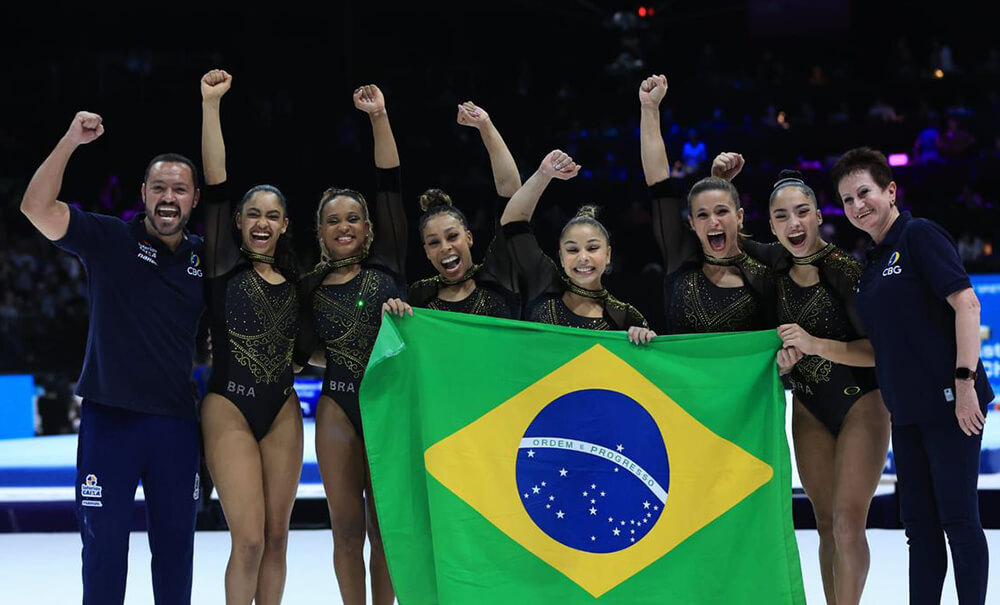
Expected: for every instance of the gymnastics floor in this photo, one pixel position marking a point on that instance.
(44, 569)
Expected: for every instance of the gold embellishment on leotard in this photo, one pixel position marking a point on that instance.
(728, 261)
(356, 316)
(575, 289)
(257, 257)
(812, 258)
(267, 354)
(480, 302)
(555, 312)
(753, 267)
(814, 368)
(808, 312)
(844, 263)
(704, 314)
(343, 262)
(441, 281)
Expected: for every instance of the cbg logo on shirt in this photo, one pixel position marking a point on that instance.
(892, 268)
(195, 263)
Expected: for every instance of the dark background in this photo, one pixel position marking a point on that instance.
(561, 74)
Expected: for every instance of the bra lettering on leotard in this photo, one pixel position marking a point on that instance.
(338, 386)
(239, 389)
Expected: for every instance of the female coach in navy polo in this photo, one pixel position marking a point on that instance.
(922, 317)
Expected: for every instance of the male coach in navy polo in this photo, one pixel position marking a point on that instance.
(138, 418)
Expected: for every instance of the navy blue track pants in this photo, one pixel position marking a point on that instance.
(116, 449)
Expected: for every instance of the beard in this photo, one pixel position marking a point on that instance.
(165, 228)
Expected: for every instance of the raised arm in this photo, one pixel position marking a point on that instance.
(505, 175)
(389, 245)
(39, 204)
(655, 164)
(556, 165)
(369, 99)
(214, 85)
(537, 272)
(222, 250)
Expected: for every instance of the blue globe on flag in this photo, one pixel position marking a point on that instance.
(592, 471)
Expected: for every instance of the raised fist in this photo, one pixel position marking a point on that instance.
(652, 90)
(471, 115)
(214, 84)
(369, 99)
(727, 165)
(558, 165)
(85, 128)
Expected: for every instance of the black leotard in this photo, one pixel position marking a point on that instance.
(496, 293)
(825, 310)
(253, 323)
(692, 303)
(345, 318)
(544, 285)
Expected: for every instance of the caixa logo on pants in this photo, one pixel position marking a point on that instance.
(893, 267)
(91, 492)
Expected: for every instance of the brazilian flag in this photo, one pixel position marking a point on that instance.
(520, 463)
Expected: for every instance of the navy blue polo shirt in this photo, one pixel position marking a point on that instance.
(901, 301)
(145, 304)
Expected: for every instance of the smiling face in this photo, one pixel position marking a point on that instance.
(344, 227)
(261, 221)
(868, 206)
(795, 220)
(169, 194)
(584, 254)
(717, 222)
(448, 245)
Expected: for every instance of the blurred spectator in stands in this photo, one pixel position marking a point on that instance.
(881, 111)
(970, 247)
(968, 198)
(955, 142)
(818, 78)
(693, 154)
(941, 57)
(925, 148)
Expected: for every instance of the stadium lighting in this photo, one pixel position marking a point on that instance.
(898, 159)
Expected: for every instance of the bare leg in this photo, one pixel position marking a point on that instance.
(860, 456)
(382, 590)
(814, 453)
(233, 458)
(281, 459)
(341, 464)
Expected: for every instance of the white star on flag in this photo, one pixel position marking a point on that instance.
(620, 447)
(562, 472)
(645, 504)
(616, 532)
(593, 510)
(560, 514)
(535, 490)
(531, 453)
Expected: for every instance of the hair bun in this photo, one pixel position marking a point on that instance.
(790, 174)
(434, 197)
(588, 211)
